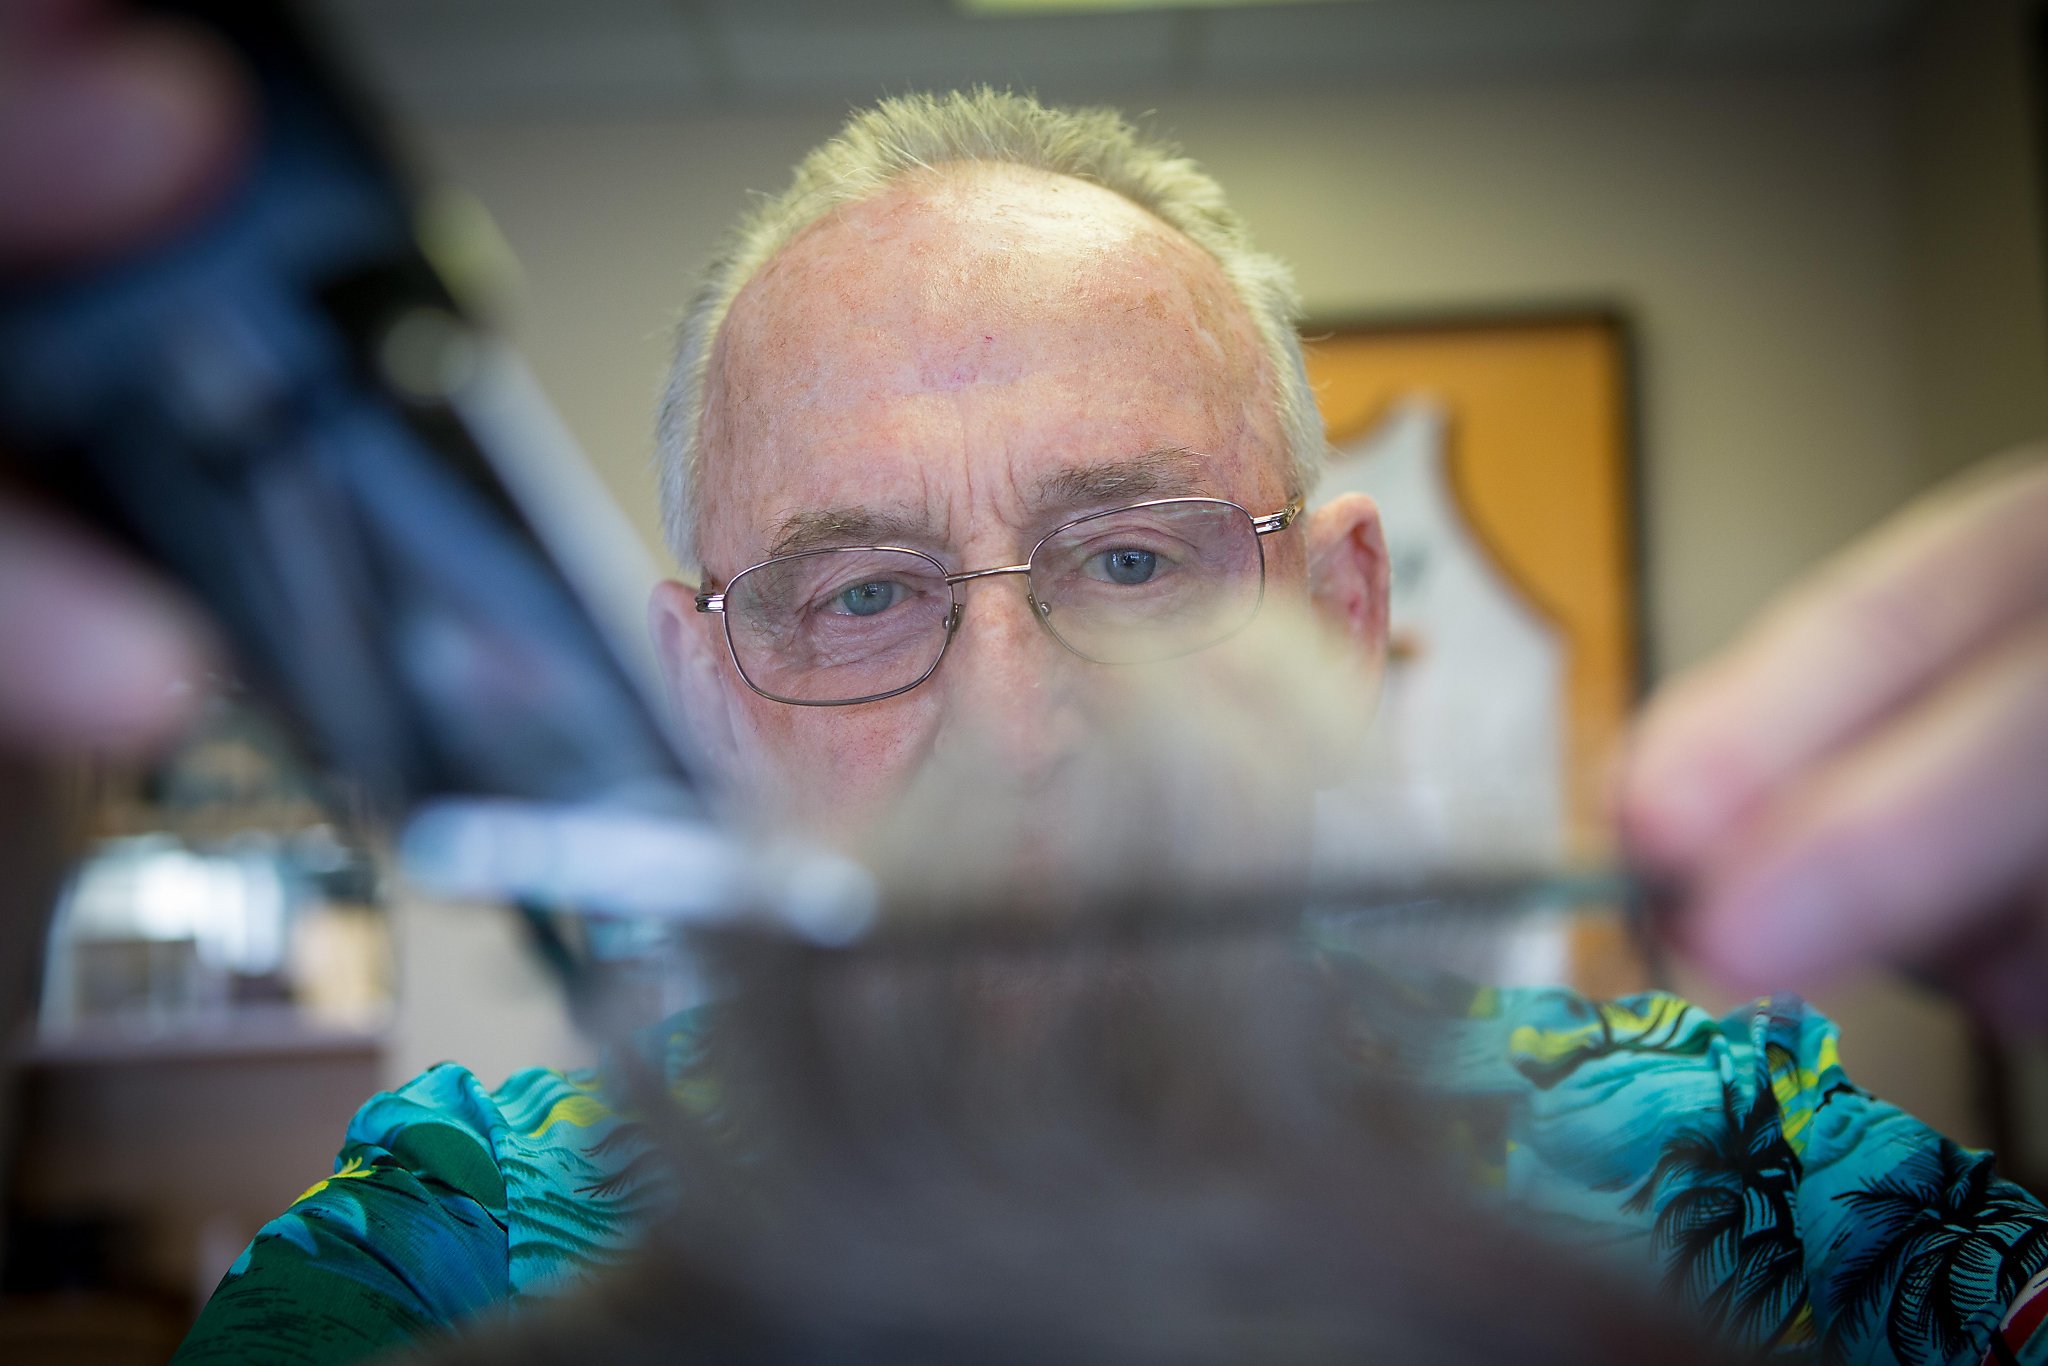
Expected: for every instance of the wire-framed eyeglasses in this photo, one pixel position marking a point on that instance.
(1138, 584)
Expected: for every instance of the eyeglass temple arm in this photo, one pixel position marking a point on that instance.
(1261, 526)
(711, 602)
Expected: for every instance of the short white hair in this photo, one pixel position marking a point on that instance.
(917, 132)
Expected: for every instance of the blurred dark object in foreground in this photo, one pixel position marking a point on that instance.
(293, 410)
(1110, 1142)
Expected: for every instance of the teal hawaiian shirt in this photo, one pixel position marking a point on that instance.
(1800, 1215)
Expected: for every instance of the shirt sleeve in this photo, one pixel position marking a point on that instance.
(1797, 1214)
(1801, 1212)
(1916, 1250)
(406, 1236)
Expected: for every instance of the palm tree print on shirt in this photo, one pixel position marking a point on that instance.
(1947, 1245)
(1726, 1230)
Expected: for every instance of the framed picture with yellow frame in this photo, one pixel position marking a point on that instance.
(1502, 452)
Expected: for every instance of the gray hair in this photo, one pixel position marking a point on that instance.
(915, 132)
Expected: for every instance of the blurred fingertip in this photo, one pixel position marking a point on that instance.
(125, 678)
(99, 656)
(1772, 928)
(106, 143)
(1665, 816)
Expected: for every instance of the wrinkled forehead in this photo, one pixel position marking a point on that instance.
(972, 325)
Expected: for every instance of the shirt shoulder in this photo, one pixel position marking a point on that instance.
(555, 1156)
(447, 1198)
(1735, 1155)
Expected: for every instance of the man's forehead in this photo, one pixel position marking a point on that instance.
(963, 212)
(963, 254)
(973, 330)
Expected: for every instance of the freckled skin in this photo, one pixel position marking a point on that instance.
(940, 349)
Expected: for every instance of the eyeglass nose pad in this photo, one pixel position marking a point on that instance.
(953, 621)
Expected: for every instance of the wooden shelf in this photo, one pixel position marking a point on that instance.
(256, 1033)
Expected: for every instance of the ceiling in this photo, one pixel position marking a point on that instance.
(494, 57)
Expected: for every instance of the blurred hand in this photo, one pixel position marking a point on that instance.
(1863, 779)
(113, 132)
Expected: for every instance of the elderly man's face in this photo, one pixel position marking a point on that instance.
(959, 365)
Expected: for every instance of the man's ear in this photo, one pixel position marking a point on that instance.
(691, 651)
(1348, 577)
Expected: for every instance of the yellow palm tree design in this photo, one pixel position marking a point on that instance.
(353, 1169)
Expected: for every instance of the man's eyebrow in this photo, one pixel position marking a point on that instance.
(828, 527)
(1161, 473)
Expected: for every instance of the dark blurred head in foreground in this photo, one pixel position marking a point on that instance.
(1184, 1148)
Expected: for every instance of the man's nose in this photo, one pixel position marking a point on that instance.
(1011, 689)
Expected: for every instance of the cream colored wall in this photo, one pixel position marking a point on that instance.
(1976, 232)
(1754, 228)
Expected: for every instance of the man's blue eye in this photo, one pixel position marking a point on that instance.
(1129, 566)
(866, 599)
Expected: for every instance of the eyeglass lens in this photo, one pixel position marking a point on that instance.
(1150, 582)
(1124, 587)
(838, 625)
